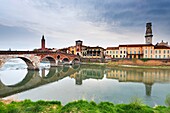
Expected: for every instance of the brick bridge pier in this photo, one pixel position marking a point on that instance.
(33, 58)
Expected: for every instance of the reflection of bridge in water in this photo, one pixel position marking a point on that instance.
(33, 79)
(146, 76)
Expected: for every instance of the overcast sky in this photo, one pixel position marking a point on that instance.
(96, 22)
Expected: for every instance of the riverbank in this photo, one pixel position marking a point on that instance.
(80, 106)
(133, 64)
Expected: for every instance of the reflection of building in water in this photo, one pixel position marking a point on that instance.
(148, 77)
(87, 73)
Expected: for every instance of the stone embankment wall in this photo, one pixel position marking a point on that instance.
(143, 62)
(140, 62)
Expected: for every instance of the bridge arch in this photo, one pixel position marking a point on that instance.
(27, 61)
(51, 60)
(65, 60)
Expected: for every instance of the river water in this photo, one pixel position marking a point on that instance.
(89, 82)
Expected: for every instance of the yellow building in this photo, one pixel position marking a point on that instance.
(86, 51)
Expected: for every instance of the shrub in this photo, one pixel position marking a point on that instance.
(136, 101)
(107, 107)
(13, 108)
(167, 100)
(3, 108)
(80, 106)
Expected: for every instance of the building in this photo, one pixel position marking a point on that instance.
(148, 50)
(84, 51)
(113, 52)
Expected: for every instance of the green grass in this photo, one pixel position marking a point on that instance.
(81, 106)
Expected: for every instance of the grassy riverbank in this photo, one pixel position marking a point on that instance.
(80, 106)
(131, 64)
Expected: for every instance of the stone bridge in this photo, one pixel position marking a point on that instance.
(34, 79)
(33, 58)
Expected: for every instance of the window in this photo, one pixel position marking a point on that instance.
(124, 52)
(138, 52)
(156, 51)
(151, 56)
(120, 52)
(130, 52)
(116, 56)
(159, 56)
(151, 51)
(164, 51)
(145, 51)
(106, 51)
(134, 52)
(116, 52)
(110, 52)
(155, 56)
(164, 56)
(159, 51)
(120, 56)
(145, 56)
(168, 51)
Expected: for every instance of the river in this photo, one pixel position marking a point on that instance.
(89, 82)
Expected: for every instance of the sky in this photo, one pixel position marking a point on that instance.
(105, 23)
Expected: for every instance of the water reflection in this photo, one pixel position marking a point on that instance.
(80, 74)
(146, 76)
(35, 79)
(88, 72)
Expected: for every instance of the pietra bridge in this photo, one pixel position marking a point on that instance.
(33, 58)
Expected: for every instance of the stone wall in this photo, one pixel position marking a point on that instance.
(140, 62)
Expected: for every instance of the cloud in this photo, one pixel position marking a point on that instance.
(97, 22)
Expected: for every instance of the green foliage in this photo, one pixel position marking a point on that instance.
(106, 107)
(3, 108)
(13, 108)
(167, 100)
(131, 108)
(162, 109)
(145, 59)
(80, 106)
(136, 101)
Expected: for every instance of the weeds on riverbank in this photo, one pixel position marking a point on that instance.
(80, 106)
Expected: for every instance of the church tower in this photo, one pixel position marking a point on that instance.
(148, 35)
(43, 43)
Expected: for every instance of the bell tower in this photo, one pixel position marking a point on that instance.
(43, 43)
(148, 34)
